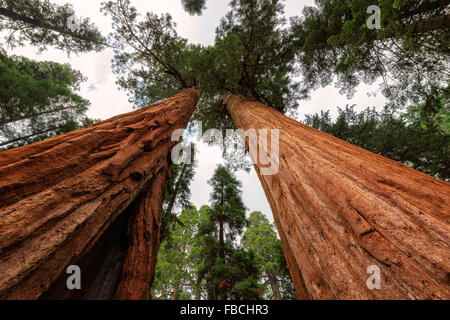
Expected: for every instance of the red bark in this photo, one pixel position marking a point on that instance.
(139, 266)
(340, 209)
(59, 196)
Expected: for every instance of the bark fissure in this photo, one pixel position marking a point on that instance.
(60, 195)
(340, 209)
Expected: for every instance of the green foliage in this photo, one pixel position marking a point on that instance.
(417, 137)
(226, 270)
(334, 44)
(261, 238)
(42, 24)
(38, 100)
(177, 196)
(226, 202)
(251, 57)
(151, 60)
(194, 6)
(177, 263)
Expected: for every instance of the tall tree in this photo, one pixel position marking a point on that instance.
(408, 50)
(42, 24)
(178, 195)
(60, 200)
(228, 210)
(261, 237)
(242, 62)
(175, 276)
(38, 100)
(227, 270)
(251, 57)
(341, 210)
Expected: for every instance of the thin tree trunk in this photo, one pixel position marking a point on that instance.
(223, 287)
(59, 196)
(274, 285)
(40, 24)
(18, 118)
(340, 209)
(175, 193)
(176, 289)
(198, 293)
(29, 136)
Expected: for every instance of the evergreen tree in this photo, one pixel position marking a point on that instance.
(177, 262)
(42, 24)
(409, 50)
(38, 100)
(178, 194)
(151, 60)
(227, 271)
(261, 238)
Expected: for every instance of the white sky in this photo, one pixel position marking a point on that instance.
(107, 100)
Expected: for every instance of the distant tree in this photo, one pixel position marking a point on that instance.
(409, 51)
(227, 207)
(178, 194)
(42, 24)
(194, 6)
(176, 268)
(38, 100)
(418, 137)
(261, 238)
(226, 270)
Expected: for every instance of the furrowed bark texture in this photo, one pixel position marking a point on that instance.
(340, 209)
(139, 265)
(59, 196)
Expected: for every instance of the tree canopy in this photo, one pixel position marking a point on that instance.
(43, 24)
(38, 100)
(409, 51)
(262, 239)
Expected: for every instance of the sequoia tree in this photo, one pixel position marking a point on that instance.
(70, 200)
(341, 210)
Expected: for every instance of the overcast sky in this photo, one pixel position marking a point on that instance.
(107, 100)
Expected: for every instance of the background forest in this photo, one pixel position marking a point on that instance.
(221, 249)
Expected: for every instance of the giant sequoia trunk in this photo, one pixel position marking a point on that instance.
(340, 209)
(93, 198)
